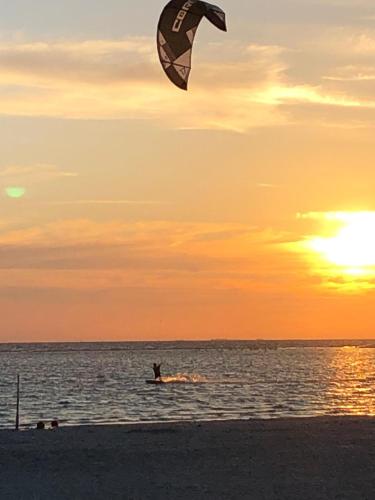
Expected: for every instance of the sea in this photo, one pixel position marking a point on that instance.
(105, 383)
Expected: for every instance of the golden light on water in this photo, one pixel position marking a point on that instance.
(345, 253)
(350, 390)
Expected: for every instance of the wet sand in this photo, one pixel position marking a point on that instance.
(289, 459)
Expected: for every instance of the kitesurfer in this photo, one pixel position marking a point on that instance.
(157, 373)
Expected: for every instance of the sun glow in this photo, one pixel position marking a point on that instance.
(353, 247)
(345, 254)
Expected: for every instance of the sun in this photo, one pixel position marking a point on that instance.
(340, 249)
(352, 247)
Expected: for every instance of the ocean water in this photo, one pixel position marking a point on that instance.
(104, 383)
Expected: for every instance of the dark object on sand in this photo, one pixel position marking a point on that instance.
(40, 425)
(54, 424)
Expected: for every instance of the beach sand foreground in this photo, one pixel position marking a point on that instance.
(301, 459)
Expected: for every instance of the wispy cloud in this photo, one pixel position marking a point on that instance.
(123, 79)
(113, 79)
(30, 174)
(107, 202)
(153, 254)
(352, 73)
(278, 95)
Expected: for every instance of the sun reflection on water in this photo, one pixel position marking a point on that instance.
(352, 387)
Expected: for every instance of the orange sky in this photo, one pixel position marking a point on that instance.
(150, 213)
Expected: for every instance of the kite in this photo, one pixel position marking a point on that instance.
(176, 31)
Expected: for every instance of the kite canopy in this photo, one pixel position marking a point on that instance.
(176, 31)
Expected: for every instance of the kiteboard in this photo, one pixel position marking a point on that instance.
(155, 382)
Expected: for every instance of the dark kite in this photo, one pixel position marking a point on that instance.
(176, 31)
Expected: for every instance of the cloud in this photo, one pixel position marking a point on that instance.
(106, 202)
(123, 79)
(278, 95)
(31, 174)
(352, 74)
(250, 85)
(90, 60)
(164, 254)
(151, 234)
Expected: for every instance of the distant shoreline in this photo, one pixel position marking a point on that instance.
(175, 341)
(209, 342)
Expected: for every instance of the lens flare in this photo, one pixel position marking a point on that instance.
(15, 191)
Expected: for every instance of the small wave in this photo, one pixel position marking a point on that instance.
(183, 378)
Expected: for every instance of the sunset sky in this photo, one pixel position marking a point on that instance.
(243, 208)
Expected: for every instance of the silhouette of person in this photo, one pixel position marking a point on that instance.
(156, 369)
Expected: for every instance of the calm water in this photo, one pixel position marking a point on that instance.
(105, 383)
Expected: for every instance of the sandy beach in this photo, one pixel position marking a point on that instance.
(317, 458)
